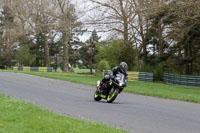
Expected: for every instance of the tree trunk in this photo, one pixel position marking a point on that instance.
(126, 40)
(90, 64)
(187, 64)
(138, 59)
(95, 73)
(46, 47)
(66, 52)
(140, 22)
(125, 23)
(56, 61)
(160, 43)
(181, 69)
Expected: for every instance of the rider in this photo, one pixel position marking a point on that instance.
(122, 68)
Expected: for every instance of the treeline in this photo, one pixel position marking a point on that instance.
(173, 38)
(31, 32)
(150, 35)
(164, 35)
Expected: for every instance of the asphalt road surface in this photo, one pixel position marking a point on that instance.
(134, 113)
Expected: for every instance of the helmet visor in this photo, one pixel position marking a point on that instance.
(124, 68)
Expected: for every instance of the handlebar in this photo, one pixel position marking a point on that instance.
(116, 83)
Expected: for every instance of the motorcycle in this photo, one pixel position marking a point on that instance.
(110, 89)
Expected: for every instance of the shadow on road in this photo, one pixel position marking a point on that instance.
(105, 102)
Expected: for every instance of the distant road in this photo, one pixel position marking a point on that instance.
(135, 113)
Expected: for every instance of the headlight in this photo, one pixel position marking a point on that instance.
(120, 84)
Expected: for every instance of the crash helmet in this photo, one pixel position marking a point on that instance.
(123, 66)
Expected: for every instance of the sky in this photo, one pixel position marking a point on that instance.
(83, 11)
(83, 14)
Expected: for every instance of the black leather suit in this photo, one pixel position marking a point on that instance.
(116, 70)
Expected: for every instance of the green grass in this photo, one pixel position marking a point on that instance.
(184, 93)
(19, 116)
(77, 78)
(78, 70)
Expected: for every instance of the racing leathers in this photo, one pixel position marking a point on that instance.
(116, 70)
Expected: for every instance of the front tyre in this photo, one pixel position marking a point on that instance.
(112, 95)
(97, 97)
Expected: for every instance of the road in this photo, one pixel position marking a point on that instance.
(134, 113)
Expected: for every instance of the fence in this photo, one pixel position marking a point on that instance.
(144, 76)
(33, 69)
(182, 80)
(136, 76)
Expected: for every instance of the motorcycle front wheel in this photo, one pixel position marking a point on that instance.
(112, 95)
(97, 97)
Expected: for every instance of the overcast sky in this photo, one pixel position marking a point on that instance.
(83, 9)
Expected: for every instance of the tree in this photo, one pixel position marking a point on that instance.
(115, 16)
(43, 19)
(103, 65)
(38, 20)
(89, 50)
(24, 57)
(184, 20)
(39, 24)
(120, 16)
(178, 43)
(75, 55)
(67, 24)
(114, 52)
(128, 18)
(8, 34)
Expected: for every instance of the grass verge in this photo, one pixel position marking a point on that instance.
(19, 116)
(184, 93)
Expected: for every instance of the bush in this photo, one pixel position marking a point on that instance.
(24, 56)
(103, 65)
(2, 67)
(158, 72)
